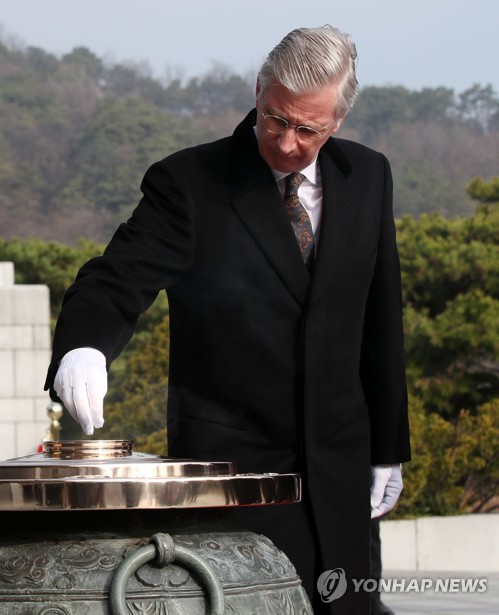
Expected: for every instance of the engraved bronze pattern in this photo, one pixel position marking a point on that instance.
(74, 577)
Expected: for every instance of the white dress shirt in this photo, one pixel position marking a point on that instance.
(309, 193)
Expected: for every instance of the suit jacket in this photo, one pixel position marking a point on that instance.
(270, 367)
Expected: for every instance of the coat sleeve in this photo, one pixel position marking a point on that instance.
(148, 253)
(382, 361)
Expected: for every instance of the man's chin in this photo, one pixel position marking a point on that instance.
(289, 165)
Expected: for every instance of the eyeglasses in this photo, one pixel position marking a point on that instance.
(277, 125)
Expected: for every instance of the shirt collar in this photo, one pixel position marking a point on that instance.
(309, 172)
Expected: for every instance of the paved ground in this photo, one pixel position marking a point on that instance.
(431, 602)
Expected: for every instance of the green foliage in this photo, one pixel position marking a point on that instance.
(420, 183)
(443, 258)
(51, 263)
(431, 484)
(450, 272)
(83, 60)
(479, 105)
(73, 153)
(76, 136)
(480, 435)
(486, 192)
(124, 137)
(455, 466)
(451, 358)
(433, 140)
(379, 108)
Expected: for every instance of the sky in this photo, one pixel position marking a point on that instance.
(414, 43)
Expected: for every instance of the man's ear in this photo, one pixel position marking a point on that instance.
(257, 90)
(336, 126)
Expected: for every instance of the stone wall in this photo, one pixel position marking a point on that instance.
(461, 543)
(24, 357)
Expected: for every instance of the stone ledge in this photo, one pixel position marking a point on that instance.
(461, 543)
(6, 274)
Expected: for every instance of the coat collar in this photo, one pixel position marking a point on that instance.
(337, 216)
(256, 199)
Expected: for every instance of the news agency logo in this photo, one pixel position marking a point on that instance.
(332, 584)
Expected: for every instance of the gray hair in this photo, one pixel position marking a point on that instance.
(309, 59)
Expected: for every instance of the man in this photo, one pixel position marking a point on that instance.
(286, 337)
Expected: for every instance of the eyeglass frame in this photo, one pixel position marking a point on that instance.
(306, 130)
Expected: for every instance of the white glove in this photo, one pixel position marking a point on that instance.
(81, 384)
(385, 489)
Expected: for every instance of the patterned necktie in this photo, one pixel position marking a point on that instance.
(300, 221)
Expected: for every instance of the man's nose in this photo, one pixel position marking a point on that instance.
(288, 140)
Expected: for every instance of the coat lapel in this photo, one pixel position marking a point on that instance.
(256, 199)
(337, 217)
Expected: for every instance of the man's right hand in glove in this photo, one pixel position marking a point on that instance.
(81, 384)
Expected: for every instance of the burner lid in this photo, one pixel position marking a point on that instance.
(107, 474)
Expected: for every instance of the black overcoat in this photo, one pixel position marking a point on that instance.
(270, 367)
